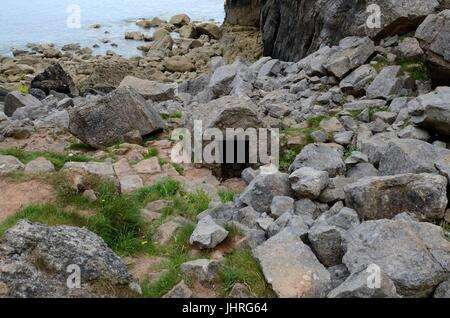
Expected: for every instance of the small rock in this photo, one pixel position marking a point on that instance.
(181, 290)
(148, 166)
(308, 182)
(208, 234)
(322, 157)
(39, 165)
(90, 195)
(130, 183)
(239, 291)
(167, 231)
(281, 205)
(10, 164)
(203, 270)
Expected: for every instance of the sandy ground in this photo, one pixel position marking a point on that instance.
(14, 196)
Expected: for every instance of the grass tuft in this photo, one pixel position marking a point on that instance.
(227, 195)
(241, 267)
(58, 160)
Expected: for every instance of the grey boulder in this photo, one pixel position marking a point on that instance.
(105, 121)
(424, 195)
(15, 100)
(152, 90)
(387, 84)
(414, 255)
(35, 261)
(322, 157)
(411, 156)
(432, 110)
(261, 191)
(203, 270)
(308, 182)
(291, 268)
(10, 164)
(364, 284)
(434, 38)
(208, 234)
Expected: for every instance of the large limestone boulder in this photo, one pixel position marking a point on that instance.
(180, 19)
(221, 82)
(36, 261)
(155, 91)
(424, 195)
(15, 100)
(210, 29)
(291, 268)
(55, 78)
(307, 182)
(434, 37)
(411, 156)
(226, 112)
(322, 157)
(106, 76)
(432, 110)
(352, 53)
(387, 84)
(327, 232)
(414, 255)
(179, 64)
(358, 80)
(105, 121)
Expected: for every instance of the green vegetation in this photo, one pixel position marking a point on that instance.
(176, 254)
(287, 158)
(58, 160)
(227, 195)
(116, 218)
(179, 168)
(372, 110)
(22, 88)
(348, 152)
(176, 114)
(288, 153)
(152, 152)
(80, 147)
(416, 69)
(49, 214)
(241, 267)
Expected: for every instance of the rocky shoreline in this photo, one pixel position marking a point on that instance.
(362, 186)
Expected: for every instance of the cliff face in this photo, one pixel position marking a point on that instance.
(292, 29)
(243, 12)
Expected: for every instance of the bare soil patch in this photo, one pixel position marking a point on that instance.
(17, 195)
